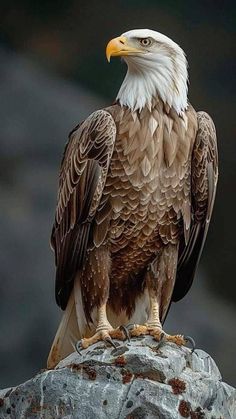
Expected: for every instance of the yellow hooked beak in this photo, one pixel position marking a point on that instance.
(119, 47)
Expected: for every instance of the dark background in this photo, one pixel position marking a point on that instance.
(54, 73)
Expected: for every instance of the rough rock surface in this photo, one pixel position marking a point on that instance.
(137, 380)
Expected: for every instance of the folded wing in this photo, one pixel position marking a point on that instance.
(204, 182)
(83, 174)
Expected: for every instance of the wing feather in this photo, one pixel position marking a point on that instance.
(82, 179)
(204, 182)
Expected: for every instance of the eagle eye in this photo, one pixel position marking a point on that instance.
(145, 42)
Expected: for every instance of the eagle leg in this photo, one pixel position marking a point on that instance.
(153, 327)
(153, 324)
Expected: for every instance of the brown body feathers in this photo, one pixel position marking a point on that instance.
(135, 188)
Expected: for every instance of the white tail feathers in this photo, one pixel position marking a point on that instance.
(66, 336)
(72, 328)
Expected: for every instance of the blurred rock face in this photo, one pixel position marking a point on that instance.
(37, 110)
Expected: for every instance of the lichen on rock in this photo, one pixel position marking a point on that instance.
(138, 380)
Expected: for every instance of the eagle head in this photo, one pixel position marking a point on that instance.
(157, 68)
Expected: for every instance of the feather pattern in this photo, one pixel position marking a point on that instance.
(204, 177)
(150, 175)
(83, 175)
(132, 183)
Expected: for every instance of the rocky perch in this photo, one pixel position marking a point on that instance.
(135, 381)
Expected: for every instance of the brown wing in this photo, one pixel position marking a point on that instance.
(83, 174)
(204, 182)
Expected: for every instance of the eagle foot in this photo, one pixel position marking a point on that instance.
(137, 330)
(121, 333)
(106, 335)
(159, 335)
(179, 340)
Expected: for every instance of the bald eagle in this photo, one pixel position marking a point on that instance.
(136, 192)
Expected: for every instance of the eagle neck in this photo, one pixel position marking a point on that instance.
(148, 80)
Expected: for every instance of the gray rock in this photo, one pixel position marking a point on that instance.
(136, 381)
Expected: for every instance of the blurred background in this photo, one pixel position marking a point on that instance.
(54, 73)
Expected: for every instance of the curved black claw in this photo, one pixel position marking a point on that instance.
(78, 346)
(108, 339)
(125, 331)
(120, 350)
(190, 340)
(130, 326)
(161, 341)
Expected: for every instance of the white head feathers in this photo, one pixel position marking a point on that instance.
(158, 70)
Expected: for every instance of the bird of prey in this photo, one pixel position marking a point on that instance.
(136, 192)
